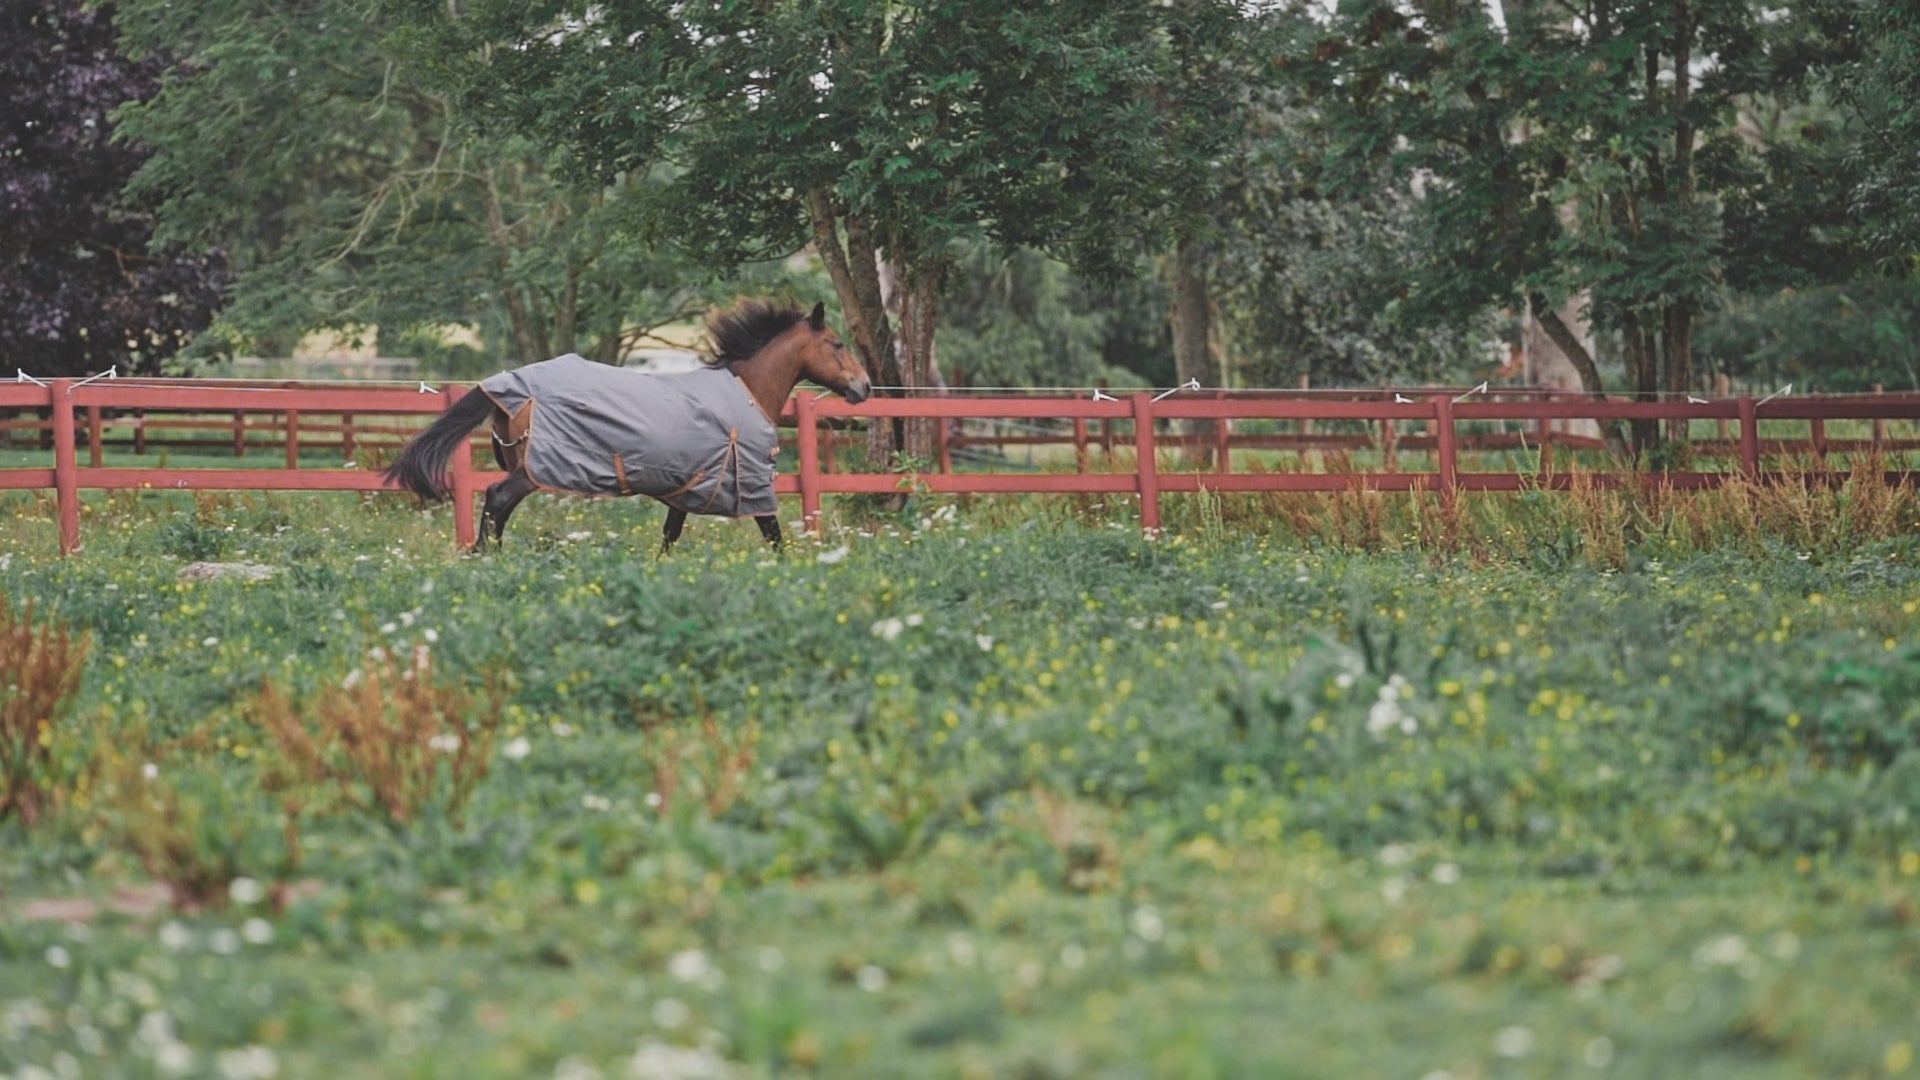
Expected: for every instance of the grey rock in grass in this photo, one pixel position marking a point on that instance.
(213, 571)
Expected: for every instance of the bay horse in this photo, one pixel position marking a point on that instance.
(700, 442)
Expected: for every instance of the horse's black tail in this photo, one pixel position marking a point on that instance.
(422, 467)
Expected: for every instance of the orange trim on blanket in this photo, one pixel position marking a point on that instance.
(686, 487)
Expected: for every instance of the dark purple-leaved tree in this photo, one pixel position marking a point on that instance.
(81, 287)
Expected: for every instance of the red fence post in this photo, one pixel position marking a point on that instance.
(1445, 448)
(66, 465)
(1144, 463)
(1879, 423)
(1749, 438)
(239, 434)
(808, 442)
(464, 533)
(293, 438)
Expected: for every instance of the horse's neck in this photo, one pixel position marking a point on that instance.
(770, 376)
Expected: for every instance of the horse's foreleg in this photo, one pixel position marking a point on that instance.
(499, 503)
(670, 532)
(769, 528)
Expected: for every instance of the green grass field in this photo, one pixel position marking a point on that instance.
(990, 793)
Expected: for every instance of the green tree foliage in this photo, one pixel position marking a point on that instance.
(871, 128)
(1834, 338)
(1572, 150)
(1880, 90)
(1312, 277)
(352, 196)
(1020, 318)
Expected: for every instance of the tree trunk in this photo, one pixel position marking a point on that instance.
(1192, 320)
(566, 314)
(523, 339)
(919, 311)
(1678, 334)
(1678, 331)
(856, 280)
(1568, 343)
(1640, 349)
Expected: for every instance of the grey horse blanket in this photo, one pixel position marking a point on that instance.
(696, 441)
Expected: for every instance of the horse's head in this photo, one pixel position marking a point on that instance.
(826, 360)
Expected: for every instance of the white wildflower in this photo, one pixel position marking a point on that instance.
(688, 965)
(670, 1013)
(656, 1060)
(247, 1063)
(830, 557)
(517, 749)
(887, 629)
(245, 890)
(1727, 950)
(1146, 922)
(174, 1058)
(576, 1068)
(1513, 1041)
(1385, 715)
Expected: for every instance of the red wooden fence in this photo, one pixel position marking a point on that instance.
(66, 400)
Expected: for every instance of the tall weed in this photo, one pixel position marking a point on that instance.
(707, 765)
(189, 826)
(40, 669)
(390, 739)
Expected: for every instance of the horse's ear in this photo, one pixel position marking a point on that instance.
(818, 320)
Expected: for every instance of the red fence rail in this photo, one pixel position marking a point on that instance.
(66, 401)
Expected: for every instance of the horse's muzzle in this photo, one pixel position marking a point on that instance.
(857, 392)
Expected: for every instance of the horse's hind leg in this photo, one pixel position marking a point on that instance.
(499, 503)
(769, 528)
(670, 532)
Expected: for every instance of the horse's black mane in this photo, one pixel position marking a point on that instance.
(736, 333)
